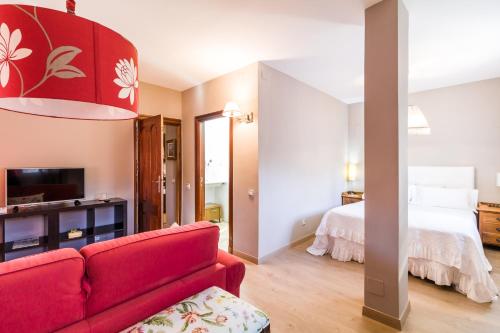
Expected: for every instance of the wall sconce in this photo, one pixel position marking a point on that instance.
(232, 110)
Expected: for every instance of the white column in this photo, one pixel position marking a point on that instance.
(386, 166)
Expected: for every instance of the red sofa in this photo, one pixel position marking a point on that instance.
(109, 286)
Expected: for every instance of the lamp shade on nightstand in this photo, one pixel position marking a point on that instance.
(352, 172)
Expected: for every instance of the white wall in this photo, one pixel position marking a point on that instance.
(355, 150)
(217, 150)
(465, 131)
(302, 154)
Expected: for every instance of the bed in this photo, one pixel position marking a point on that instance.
(443, 242)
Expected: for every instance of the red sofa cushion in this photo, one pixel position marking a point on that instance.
(42, 293)
(124, 268)
(129, 313)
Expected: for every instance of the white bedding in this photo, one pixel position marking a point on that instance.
(444, 246)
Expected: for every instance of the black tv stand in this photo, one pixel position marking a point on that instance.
(54, 237)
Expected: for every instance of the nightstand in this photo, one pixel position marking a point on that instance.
(213, 212)
(351, 197)
(489, 224)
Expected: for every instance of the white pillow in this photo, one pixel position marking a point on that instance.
(456, 198)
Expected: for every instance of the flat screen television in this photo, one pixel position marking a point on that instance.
(33, 185)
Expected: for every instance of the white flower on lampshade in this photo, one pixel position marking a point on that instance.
(127, 79)
(8, 53)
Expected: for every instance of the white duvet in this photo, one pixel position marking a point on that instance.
(443, 245)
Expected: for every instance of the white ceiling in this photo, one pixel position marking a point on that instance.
(183, 43)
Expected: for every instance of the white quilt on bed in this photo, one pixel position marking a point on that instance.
(444, 246)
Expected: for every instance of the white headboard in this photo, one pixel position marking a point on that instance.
(450, 177)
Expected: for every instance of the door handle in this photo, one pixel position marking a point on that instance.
(158, 182)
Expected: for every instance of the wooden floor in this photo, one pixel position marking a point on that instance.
(303, 293)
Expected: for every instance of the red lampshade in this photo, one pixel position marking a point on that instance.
(60, 65)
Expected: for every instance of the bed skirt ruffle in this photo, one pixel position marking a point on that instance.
(480, 288)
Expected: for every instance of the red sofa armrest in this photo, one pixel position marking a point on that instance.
(235, 271)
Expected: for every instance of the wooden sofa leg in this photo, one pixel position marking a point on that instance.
(267, 329)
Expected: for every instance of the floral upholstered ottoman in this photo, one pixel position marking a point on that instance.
(212, 311)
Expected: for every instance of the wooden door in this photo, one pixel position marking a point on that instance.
(150, 172)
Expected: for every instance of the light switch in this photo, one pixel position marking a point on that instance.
(188, 186)
(251, 192)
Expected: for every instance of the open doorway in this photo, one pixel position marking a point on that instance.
(172, 172)
(214, 194)
(158, 172)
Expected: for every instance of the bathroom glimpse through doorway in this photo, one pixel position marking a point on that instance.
(214, 165)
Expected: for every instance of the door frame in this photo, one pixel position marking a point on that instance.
(198, 206)
(178, 183)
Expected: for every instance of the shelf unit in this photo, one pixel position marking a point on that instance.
(55, 237)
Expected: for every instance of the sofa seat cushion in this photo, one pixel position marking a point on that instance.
(123, 315)
(212, 310)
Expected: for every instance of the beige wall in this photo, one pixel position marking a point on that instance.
(302, 154)
(104, 148)
(465, 125)
(154, 100)
(241, 87)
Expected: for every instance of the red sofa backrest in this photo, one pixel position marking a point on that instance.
(127, 267)
(42, 293)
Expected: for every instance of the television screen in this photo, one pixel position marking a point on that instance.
(28, 186)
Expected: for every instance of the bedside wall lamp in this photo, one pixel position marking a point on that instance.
(232, 110)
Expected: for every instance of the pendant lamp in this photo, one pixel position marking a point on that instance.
(417, 123)
(57, 64)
